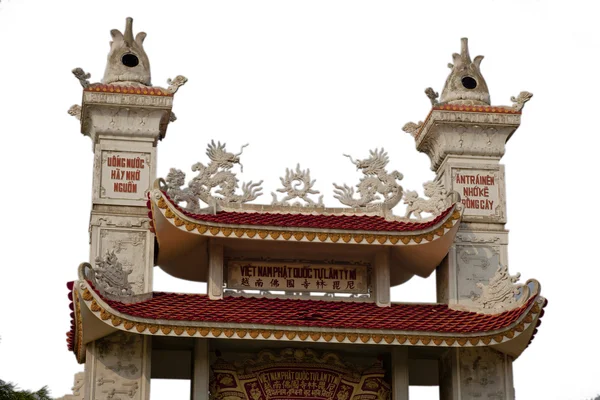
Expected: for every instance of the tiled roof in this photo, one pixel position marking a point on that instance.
(148, 91)
(437, 318)
(345, 222)
(195, 315)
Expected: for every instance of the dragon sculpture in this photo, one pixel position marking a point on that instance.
(110, 276)
(502, 292)
(438, 200)
(217, 177)
(377, 184)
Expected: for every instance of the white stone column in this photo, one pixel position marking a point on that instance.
(474, 374)
(201, 370)
(400, 376)
(118, 366)
(215, 271)
(381, 284)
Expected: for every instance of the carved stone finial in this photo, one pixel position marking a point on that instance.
(297, 185)
(216, 175)
(520, 100)
(438, 201)
(412, 128)
(175, 84)
(110, 276)
(432, 95)
(465, 84)
(501, 293)
(127, 60)
(82, 77)
(377, 184)
(75, 111)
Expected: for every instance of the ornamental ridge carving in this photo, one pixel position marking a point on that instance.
(502, 293)
(215, 184)
(520, 100)
(377, 188)
(438, 201)
(110, 277)
(297, 185)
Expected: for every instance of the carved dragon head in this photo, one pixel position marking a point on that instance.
(465, 84)
(376, 162)
(226, 160)
(127, 59)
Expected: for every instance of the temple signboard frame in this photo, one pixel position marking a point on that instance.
(297, 276)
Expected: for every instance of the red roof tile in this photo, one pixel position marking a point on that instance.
(437, 318)
(317, 221)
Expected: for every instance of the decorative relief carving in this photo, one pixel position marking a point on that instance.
(297, 373)
(501, 293)
(110, 277)
(127, 59)
(297, 185)
(75, 111)
(472, 238)
(175, 84)
(520, 100)
(78, 390)
(82, 77)
(216, 175)
(432, 95)
(438, 201)
(377, 184)
(412, 128)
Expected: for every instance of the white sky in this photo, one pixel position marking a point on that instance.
(304, 81)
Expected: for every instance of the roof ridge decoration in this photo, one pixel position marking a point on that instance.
(297, 185)
(503, 293)
(376, 184)
(216, 185)
(108, 276)
(216, 175)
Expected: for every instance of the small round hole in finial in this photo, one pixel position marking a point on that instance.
(469, 82)
(130, 60)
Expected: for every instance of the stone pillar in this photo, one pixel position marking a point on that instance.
(118, 366)
(465, 139)
(381, 284)
(125, 116)
(201, 370)
(400, 377)
(475, 373)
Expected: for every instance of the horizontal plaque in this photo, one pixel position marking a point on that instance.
(297, 277)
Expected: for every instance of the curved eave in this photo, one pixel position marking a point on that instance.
(94, 318)
(182, 240)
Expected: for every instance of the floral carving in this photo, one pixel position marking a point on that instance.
(377, 184)
(520, 100)
(501, 293)
(297, 185)
(215, 184)
(438, 201)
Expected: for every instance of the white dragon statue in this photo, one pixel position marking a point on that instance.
(377, 184)
(438, 200)
(216, 175)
